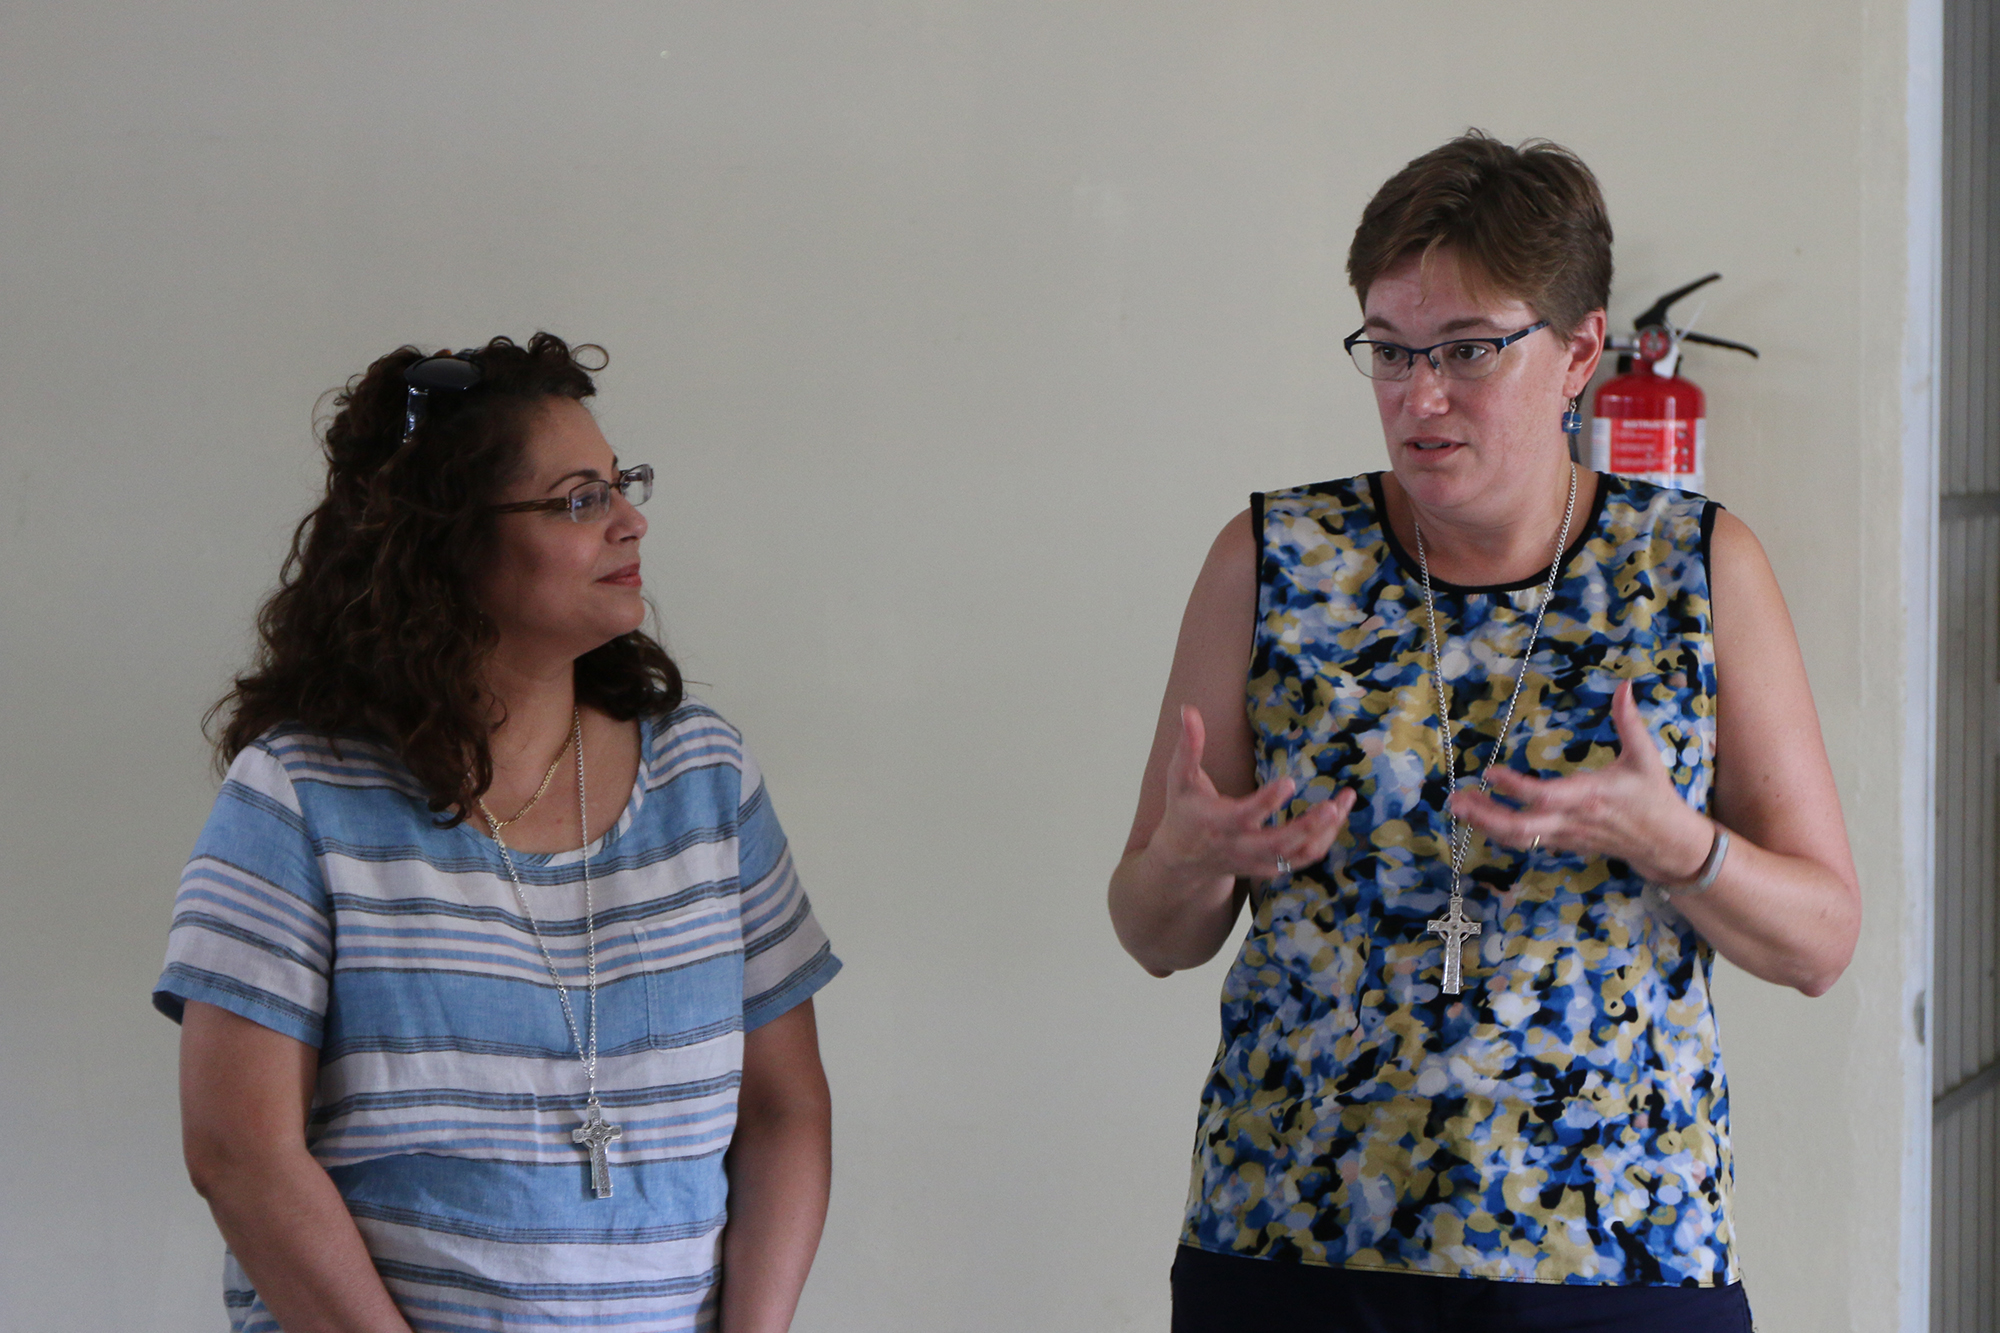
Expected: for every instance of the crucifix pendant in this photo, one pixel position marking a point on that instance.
(1456, 928)
(596, 1134)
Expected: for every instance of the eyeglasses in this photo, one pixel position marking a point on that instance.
(590, 501)
(433, 372)
(1458, 359)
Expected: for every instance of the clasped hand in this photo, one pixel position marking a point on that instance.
(1629, 809)
(1210, 835)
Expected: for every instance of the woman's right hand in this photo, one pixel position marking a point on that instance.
(1205, 835)
(1201, 833)
(1176, 893)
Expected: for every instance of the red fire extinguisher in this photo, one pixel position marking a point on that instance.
(1649, 422)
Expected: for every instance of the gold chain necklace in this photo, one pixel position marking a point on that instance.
(540, 792)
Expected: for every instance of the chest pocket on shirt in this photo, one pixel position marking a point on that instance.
(693, 975)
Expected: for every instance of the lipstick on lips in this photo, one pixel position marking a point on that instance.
(628, 577)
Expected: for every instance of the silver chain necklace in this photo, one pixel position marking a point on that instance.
(1454, 927)
(595, 1133)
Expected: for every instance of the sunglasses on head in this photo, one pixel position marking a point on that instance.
(433, 373)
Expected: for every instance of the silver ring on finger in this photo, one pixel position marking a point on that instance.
(1284, 868)
(1535, 845)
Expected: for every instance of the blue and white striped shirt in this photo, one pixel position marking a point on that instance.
(323, 902)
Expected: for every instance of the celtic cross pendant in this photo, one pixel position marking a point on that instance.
(1455, 927)
(596, 1134)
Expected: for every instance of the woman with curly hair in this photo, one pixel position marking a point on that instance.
(493, 972)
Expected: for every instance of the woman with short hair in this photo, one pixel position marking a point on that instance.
(493, 972)
(1501, 752)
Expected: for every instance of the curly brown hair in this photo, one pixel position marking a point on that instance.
(1530, 220)
(374, 631)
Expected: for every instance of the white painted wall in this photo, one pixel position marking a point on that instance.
(955, 330)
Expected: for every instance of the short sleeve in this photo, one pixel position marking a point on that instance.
(252, 922)
(786, 956)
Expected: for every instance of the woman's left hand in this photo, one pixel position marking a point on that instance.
(1629, 809)
(1785, 904)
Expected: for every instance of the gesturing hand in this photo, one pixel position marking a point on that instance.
(1208, 834)
(1628, 809)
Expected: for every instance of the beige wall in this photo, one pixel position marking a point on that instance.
(955, 330)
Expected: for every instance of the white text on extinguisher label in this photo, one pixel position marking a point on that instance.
(1665, 452)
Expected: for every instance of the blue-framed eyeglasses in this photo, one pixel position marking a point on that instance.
(1458, 358)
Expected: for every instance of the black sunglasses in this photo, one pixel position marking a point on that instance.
(433, 372)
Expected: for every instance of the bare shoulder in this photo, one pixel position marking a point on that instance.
(1234, 550)
(1733, 550)
(1222, 608)
(1750, 616)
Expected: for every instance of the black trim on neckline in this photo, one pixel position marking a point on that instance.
(1605, 481)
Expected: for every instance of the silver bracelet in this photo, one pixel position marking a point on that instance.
(1704, 879)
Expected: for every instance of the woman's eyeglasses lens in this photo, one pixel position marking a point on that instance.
(591, 501)
(637, 483)
(1469, 360)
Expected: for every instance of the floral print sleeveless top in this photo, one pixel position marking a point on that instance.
(1565, 1118)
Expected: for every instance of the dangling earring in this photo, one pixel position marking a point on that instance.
(1573, 417)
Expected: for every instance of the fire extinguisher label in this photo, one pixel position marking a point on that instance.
(1665, 452)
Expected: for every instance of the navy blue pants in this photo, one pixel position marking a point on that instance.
(1226, 1293)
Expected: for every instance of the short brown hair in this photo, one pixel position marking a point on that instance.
(374, 631)
(1530, 221)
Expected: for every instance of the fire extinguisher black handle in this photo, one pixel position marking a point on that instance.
(1707, 341)
(1656, 313)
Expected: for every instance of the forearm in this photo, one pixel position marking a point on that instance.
(1790, 920)
(286, 1224)
(1167, 919)
(780, 1171)
(1785, 919)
